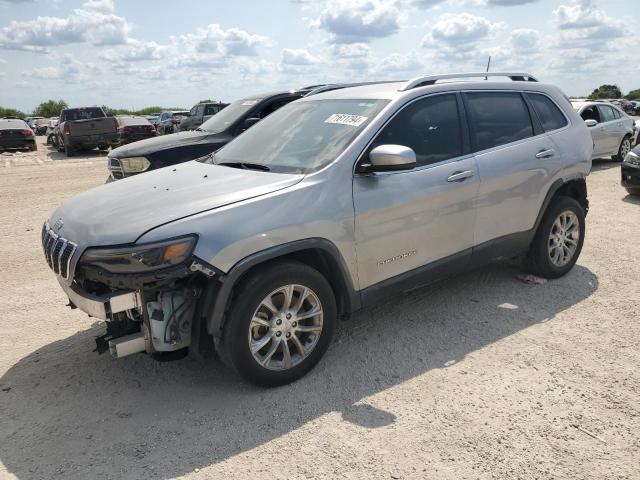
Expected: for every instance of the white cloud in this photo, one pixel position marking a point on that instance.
(105, 6)
(81, 26)
(582, 25)
(455, 30)
(299, 57)
(525, 40)
(353, 21)
(351, 50)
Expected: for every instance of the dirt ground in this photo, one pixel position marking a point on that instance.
(480, 377)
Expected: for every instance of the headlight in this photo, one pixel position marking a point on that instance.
(140, 258)
(632, 158)
(134, 164)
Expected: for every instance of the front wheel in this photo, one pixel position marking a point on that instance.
(623, 149)
(280, 324)
(558, 240)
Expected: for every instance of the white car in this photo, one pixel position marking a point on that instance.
(612, 130)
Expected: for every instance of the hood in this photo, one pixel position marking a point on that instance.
(120, 212)
(163, 142)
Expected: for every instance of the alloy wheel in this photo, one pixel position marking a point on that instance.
(563, 238)
(286, 327)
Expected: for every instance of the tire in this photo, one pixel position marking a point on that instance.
(633, 191)
(240, 329)
(543, 259)
(68, 150)
(623, 149)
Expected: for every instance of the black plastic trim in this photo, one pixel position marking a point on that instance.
(215, 317)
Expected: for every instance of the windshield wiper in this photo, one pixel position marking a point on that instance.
(245, 166)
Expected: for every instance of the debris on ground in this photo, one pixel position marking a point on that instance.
(531, 279)
(591, 434)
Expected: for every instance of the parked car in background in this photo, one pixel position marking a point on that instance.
(168, 121)
(85, 129)
(630, 171)
(199, 114)
(632, 107)
(15, 134)
(210, 136)
(40, 126)
(134, 128)
(335, 202)
(50, 133)
(31, 121)
(153, 119)
(612, 130)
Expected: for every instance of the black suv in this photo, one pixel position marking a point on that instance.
(210, 136)
(199, 114)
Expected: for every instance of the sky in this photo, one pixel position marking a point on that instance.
(132, 54)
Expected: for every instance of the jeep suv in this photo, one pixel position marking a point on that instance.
(330, 204)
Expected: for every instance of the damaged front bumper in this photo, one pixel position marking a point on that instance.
(101, 306)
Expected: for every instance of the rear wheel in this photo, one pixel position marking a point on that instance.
(68, 150)
(280, 324)
(633, 191)
(558, 242)
(623, 149)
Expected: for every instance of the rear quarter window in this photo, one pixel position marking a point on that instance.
(497, 118)
(548, 112)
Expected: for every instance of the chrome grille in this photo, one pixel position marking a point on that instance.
(57, 251)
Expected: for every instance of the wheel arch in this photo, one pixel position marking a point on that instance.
(318, 253)
(575, 188)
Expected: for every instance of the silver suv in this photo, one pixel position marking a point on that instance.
(330, 204)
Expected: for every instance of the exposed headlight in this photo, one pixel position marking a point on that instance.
(141, 258)
(632, 158)
(134, 164)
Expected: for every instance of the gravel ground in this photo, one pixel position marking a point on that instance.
(480, 377)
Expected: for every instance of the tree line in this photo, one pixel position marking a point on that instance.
(52, 108)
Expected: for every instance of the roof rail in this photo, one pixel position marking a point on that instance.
(432, 79)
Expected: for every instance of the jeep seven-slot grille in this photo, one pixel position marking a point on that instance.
(57, 251)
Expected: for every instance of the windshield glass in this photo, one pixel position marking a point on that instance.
(82, 114)
(221, 120)
(302, 136)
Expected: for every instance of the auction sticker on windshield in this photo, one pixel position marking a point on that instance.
(346, 119)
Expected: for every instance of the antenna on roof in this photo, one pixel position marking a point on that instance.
(488, 65)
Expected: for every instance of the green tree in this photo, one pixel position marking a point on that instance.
(50, 108)
(11, 112)
(633, 94)
(606, 91)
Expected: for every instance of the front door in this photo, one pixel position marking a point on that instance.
(405, 220)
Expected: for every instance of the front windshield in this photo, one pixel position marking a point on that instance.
(221, 120)
(302, 136)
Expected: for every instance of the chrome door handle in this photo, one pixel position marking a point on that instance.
(460, 176)
(546, 153)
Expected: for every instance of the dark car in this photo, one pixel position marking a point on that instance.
(134, 128)
(210, 136)
(84, 129)
(199, 114)
(16, 134)
(168, 121)
(630, 171)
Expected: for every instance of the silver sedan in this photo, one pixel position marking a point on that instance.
(612, 130)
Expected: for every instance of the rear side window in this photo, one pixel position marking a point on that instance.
(616, 113)
(548, 112)
(211, 110)
(606, 113)
(498, 118)
(430, 126)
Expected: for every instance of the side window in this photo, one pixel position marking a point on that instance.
(199, 110)
(590, 113)
(616, 113)
(430, 126)
(192, 112)
(548, 112)
(607, 113)
(498, 118)
(210, 110)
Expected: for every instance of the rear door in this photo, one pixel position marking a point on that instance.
(514, 159)
(405, 220)
(613, 129)
(209, 111)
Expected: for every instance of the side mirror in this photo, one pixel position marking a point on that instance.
(590, 122)
(389, 158)
(249, 122)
